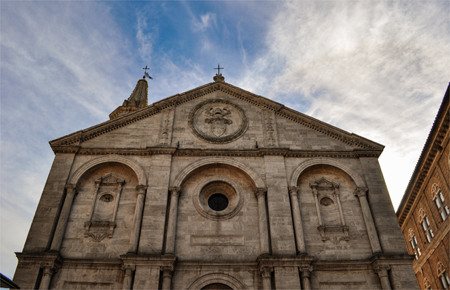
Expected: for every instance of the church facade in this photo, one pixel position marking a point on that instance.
(214, 188)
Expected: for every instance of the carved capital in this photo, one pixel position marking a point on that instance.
(71, 188)
(128, 268)
(260, 192)
(141, 189)
(167, 271)
(293, 190)
(381, 270)
(266, 272)
(49, 268)
(360, 191)
(175, 191)
(306, 271)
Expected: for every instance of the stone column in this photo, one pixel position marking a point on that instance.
(298, 226)
(266, 277)
(338, 200)
(382, 272)
(172, 222)
(141, 189)
(48, 270)
(167, 277)
(360, 192)
(262, 212)
(63, 217)
(305, 273)
(129, 269)
(315, 193)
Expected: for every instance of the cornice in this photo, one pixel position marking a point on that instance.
(175, 100)
(432, 148)
(259, 152)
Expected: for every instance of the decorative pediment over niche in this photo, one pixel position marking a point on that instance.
(75, 139)
(324, 184)
(110, 179)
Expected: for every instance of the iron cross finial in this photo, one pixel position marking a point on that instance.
(145, 72)
(218, 68)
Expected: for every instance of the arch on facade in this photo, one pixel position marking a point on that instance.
(221, 278)
(326, 161)
(257, 180)
(133, 165)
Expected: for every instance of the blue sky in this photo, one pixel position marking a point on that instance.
(375, 68)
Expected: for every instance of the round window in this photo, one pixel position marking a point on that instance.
(217, 198)
(218, 202)
(326, 201)
(107, 198)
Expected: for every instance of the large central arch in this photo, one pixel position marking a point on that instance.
(219, 160)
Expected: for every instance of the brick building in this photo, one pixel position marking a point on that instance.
(214, 188)
(424, 212)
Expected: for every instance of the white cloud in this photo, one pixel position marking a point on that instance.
(58, 65)
(376, 68)
(206, 21)
(145, 35)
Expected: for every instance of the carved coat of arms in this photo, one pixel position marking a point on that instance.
(218, 119)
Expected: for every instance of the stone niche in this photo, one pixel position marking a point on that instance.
(329, 210)
(334, 227)
(102, 219)
(102, 213)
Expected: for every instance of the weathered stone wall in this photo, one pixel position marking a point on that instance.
(253, 244)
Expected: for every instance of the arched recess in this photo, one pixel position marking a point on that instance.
(258, 182)
(110, 158)
(326, 161)
(217, 278)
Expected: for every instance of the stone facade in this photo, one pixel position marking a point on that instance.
(214, 188)
(424, 214)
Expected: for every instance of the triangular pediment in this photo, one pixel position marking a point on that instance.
(71, 142)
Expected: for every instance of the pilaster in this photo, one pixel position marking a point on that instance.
(154, 214)
(279, 208)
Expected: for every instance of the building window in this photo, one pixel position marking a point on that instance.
(425, 225)
(426, 284)
(439, 201)
(443, 276)
(414, 244)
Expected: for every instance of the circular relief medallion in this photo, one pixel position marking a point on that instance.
(218, 121)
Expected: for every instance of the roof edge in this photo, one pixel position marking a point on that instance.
(402, 211)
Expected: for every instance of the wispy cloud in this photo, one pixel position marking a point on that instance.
(375, 68)
(206, 21)
(58, 62)
(145, 35)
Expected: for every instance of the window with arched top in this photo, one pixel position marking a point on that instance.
(414, 244)
(426, 284)
(439, 201)
(425, 222)
(443, 276)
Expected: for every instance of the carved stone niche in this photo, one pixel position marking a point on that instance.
(102, 218)
(332, 225)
